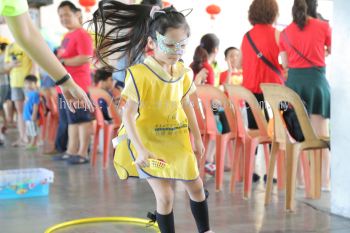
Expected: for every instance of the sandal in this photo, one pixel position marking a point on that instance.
(78, 159)
(61, 157)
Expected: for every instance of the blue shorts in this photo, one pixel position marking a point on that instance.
(81, 115)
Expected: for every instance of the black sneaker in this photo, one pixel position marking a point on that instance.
(255, 177)
(274, 180)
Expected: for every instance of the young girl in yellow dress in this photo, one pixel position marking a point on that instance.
(157, 114)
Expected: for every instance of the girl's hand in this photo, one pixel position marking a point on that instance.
(142, 159)
(199, 147)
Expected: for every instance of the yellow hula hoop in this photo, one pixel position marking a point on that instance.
(130, 220)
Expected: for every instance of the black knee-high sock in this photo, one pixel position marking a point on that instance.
(201, 215)
(166, 222)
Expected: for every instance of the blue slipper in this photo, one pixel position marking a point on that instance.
(77, 159)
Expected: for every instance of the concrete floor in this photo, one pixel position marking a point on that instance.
(83, 191)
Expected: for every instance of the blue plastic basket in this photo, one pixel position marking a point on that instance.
(23, 183)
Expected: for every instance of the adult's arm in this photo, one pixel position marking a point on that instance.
(24, 31)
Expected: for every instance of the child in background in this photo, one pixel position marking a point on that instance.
(158, 112)
(31, 110)
(103, 80)
(200, 61)
(233, 75)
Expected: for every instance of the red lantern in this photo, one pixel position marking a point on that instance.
(166, 4)
(87, 4)
(213, 10)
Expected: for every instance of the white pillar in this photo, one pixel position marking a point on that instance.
(340, 110)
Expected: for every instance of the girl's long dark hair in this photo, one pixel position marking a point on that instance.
(123, 30)
(200, 56)
(302, 9)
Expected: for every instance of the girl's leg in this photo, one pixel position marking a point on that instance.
(199, 205)
(165, 197)
(320, 126)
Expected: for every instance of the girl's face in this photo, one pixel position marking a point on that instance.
(233, 58)
(170, 47)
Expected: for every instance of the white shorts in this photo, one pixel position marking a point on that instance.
(31, 129)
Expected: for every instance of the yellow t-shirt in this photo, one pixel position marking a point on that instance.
(18, 74)
(13, 7)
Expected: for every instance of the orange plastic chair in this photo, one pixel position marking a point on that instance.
(275, 94)
(109, 128)
(202, 128)
(50, 123)
(207, 94)
(246, 138)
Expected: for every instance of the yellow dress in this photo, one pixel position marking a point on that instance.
(161, 123)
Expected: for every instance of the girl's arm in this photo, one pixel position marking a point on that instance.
(192, 121)
(129, 121)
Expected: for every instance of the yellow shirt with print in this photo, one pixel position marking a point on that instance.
(13, 7)
(18, 74)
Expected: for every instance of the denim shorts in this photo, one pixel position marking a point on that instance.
(81, 115)
(17, 93)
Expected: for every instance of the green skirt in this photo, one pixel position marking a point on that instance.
(313, 88)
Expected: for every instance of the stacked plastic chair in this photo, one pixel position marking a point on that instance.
(208, 94)
(275, 94)
(109, 128)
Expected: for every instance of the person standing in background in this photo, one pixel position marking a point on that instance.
(15, 54)
(233, 75)
(305, 60)
(31, 110)
(4, 87)
(74, 53)
(210, 42)
(262, 14)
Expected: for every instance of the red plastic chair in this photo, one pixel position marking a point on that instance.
(109, 128)
(202, 128)
(50, 123)
(248, 140)
(207, 94)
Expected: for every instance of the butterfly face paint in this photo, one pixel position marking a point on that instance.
(170, 46)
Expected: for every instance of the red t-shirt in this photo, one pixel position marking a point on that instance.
(311, 42)
(75, 43)
(255, 71)
(210, 74)
(224, 75)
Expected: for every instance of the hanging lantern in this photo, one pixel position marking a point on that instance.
(213, 10)
(166, 4)
(87, 4)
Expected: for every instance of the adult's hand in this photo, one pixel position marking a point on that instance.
(75, 96)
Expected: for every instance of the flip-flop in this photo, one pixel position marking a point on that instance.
(77, 159)
(31, 147)
(18, 143)
(61, 157)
